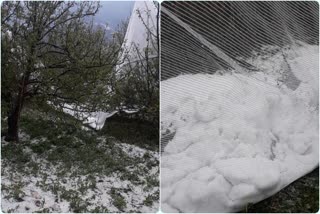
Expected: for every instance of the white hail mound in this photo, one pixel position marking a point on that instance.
(238, 138)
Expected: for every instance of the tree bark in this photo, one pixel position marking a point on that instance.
(13, 121)
(17, 105)
(14, 114)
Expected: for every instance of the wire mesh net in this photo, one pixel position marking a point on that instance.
(239, 97)
(209, 37)
(235, 28)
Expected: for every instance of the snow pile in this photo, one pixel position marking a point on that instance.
(239, 138)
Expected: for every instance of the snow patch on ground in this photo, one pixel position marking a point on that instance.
(47, 190)
(239, 138)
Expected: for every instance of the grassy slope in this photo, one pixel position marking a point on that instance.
(75, 170)
(133, 131)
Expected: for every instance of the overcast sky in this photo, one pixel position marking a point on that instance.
(112, 12)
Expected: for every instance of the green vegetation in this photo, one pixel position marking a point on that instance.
(54, 55)
(55, 58)
(133, 131)
(57, 55)
(78, 158)
(117, 199)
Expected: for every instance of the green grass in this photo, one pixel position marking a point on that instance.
(61, 142)
(15, 191)
(73, 152)
(150, 199)
(133, 131)
(117, 199)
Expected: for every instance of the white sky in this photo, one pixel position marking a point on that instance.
(112, 12)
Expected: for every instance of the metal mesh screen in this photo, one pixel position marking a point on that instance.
(236, 28)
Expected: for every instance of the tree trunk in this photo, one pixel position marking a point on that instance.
(14, 114)
(13, 124)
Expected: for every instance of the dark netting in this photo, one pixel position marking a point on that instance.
(236, 28)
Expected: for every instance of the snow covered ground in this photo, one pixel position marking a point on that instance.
(104, 176)
(240, 138)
